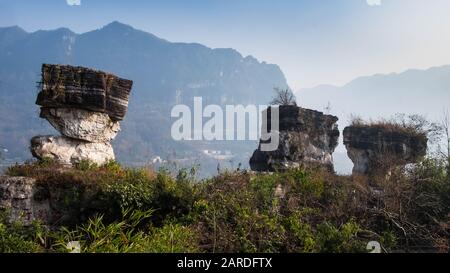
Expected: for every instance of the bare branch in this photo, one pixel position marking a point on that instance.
(283, 97)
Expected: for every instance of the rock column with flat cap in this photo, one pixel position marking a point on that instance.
(306, 137)
(377, 149)
(85, 106)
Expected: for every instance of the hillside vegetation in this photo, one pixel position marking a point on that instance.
(114, 209)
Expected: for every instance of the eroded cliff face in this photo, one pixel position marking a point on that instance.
(85, 106)
(306, 136)
(376, 149)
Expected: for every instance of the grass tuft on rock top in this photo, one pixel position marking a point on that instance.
(114, 209)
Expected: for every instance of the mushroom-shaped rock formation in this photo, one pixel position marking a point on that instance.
(305, 137)
(375, 148)
(85, 106)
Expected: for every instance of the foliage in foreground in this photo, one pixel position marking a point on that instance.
(114, 209)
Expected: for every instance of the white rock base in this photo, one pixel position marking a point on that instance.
(68, 151)
(82, 124)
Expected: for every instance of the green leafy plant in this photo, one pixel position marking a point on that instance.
(17, 238)
(117, 237)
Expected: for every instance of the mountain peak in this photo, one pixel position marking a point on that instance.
(116, 28)
(64, 30)
(118, 25)
(9, 35)
(15, 28)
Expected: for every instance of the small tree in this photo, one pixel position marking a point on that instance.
(283, 97)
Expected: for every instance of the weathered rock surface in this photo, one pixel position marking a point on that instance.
(376, 149)
(16, 197)
(70, 151)
(82, 124)
(85, 106)
(83, 88)
(306, 136)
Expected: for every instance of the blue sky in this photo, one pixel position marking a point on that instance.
(313, 41)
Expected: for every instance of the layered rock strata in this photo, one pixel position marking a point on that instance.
(85, 106)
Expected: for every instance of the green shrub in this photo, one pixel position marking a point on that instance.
(188, 175)
(112, 166)
(16, 238)
(232, 218)
(138, 189)
(388, 240)
(300, 210)
(172, 238)
(339, 240)
(134, 189)
(130, 235)
(86, 165)
(300, 234)
(264, 188)
(95, 236)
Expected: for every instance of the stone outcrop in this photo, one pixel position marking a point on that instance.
(82, 124)
(68, 151)
(305, 137)
(373, 148)
(17, 197)
(25, 200)
(85, 106)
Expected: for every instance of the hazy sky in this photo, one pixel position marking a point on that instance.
(313, 41)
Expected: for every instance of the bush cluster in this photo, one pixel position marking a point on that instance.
(114, 209)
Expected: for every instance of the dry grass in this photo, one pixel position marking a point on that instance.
(414, 125)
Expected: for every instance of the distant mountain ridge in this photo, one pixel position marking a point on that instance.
(423, 92)
(164, 74)
(156, 65)
(414, 91)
